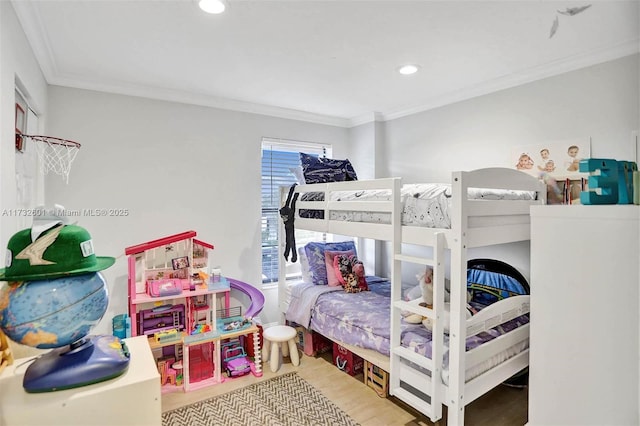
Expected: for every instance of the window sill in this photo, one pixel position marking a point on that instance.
(270, 286)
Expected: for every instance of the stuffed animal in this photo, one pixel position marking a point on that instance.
(425, 284)
(425, 281)
(350, 273)
(428, 324)
(288, 214)
(424, 291)
(412, 318)
(351, 283)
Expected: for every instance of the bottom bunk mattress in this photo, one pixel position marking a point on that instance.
(362, 319)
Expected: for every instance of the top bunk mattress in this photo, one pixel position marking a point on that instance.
(427, 205)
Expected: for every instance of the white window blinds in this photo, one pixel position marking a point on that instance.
(279, 160)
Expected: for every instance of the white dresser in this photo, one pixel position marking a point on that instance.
(585, 303)
(131, 399)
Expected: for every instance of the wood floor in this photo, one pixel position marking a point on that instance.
(503, 406)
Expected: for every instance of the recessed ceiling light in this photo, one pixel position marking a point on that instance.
(408, 69)
(212, 6)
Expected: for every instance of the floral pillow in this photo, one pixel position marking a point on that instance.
(329, 255)
(350, 273)
(316, 258)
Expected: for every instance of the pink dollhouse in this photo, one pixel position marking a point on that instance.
(170, 298)
(174, 301)
(167, 268)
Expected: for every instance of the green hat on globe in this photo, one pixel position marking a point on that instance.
(60, 251)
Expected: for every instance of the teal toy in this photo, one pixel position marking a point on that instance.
(625, 181)
(603, 187)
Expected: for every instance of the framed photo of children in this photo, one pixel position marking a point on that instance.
(557, 163)
(558, 159)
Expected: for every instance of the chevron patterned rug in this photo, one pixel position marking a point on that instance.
(286, 400)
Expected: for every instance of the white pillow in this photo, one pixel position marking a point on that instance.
(299, 175)
(304, 265)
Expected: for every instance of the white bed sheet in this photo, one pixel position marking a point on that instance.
(426, 205)
(488, 364)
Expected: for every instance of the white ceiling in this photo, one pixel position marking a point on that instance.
(327, 61)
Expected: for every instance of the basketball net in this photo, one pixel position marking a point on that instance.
(55, 154)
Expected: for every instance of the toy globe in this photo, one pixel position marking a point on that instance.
(59, 313)
(54, 294)
(52, 313)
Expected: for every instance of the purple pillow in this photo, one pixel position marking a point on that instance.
(316, 258)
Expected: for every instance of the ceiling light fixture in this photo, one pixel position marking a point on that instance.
(212, 6)
(408, 69)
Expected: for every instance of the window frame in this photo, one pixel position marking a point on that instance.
(271, 221)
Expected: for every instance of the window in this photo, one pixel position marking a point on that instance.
(279, 157)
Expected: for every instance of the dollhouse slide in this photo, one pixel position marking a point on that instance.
(255, 295)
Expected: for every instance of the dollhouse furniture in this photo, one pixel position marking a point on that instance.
(584, 271)
(280, 340)
(130, 399)
(167, 374)
(161, 318)
(191, 342)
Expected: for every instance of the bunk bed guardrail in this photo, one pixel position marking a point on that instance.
(414, 378)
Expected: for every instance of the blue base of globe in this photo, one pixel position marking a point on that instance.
(53, 313)
(58, 314)
(91, 360)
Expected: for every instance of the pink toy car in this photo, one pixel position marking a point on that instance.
(235, 361)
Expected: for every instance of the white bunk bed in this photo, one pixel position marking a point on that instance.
(474, 223)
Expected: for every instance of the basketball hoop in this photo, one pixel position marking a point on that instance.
(55, 154)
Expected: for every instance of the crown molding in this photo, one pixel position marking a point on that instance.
(366, 118)
(529, 75)
(179, 96)
(32, 25)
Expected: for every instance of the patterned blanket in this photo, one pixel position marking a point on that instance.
(303, 299)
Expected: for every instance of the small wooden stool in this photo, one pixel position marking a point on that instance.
(276, 337)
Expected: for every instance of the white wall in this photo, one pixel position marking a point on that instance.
(175, 167)
(362, 150)
(601, 102)
(17, 65)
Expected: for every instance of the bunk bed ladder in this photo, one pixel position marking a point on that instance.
(456, 399)
(414, 378)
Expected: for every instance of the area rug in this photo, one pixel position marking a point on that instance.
(284, 400)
